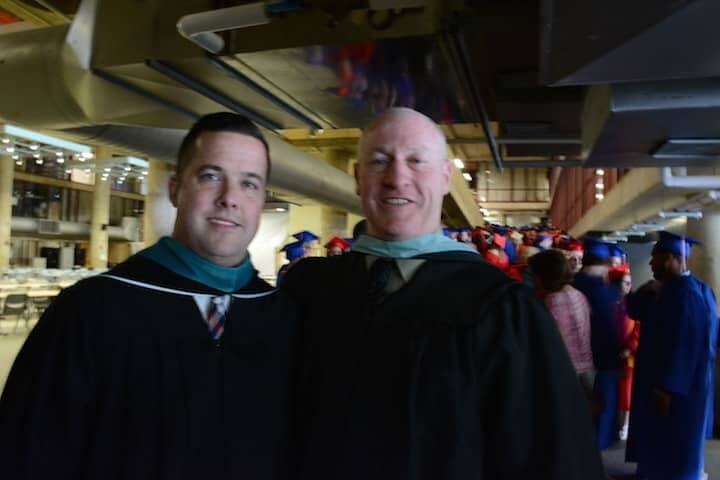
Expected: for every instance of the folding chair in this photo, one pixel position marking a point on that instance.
(15, 306)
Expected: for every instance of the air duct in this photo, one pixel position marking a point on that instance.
(293, 170)
(71, 229)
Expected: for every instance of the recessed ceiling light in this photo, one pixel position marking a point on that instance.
(127, 169)
(599, 186)
(34, 147)
(10, 149)
(599, 196)
(39, 161)
(36, 155)
(15, 157)
(144, 172)
(60, 160)
(87, 170)
(459, 163)
(467, 176)
(107, 169)
(69, 170)
(600, 171)
(279, 209)
(59, 154)
(19, 162)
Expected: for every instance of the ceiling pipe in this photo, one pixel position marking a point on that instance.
(688, 182)
(466, 65)
(200, 28)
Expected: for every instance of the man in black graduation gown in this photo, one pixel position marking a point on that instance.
(177, 364)
(422, 361)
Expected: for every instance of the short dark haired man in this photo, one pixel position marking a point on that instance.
(177, 363)
(671, 411)
(439, 366)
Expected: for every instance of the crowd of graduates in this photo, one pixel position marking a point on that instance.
(586, 285)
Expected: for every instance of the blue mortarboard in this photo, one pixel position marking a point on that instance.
(293, 250)
(305, 236)
(597, 249)
(669, 242)
(616, 251)
(446, 232)
(501, 230)
(464, 229)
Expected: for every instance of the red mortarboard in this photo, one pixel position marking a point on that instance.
(616, 274)
(338, 242)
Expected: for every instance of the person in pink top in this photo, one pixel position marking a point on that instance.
(551, 279)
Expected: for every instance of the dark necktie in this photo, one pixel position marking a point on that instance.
(379, 274)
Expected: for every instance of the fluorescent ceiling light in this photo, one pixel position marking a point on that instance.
(467, 176)
(629, 233)
(599, 186)
(42, 138)
(459, 163)
(678, 214)
(600, 171)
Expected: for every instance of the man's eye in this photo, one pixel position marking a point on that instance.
(208, 176)
(250, 185)
(379, 160)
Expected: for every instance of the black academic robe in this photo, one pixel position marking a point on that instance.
(119, 381)
(461, 374)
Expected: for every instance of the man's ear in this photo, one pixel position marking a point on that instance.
(173, 187)
(447, 173)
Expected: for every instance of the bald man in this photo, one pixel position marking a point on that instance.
(421, 360)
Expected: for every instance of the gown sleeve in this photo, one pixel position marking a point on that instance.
(539, 420)
(682, 326)
(45, 408)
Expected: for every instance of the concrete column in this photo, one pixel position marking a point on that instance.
(6, 183)
(98, 254)
(159, 216)
(345, 161)
(704, 262)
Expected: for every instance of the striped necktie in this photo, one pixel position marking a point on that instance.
(216, 318)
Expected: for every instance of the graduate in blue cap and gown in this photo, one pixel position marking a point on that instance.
(293, 252)
(593, 282)
(671, 413)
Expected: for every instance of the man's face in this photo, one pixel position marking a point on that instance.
(402, 176)
(626, 285)
(574, 259)
(334, 251)
(220, 196)
(661, 264)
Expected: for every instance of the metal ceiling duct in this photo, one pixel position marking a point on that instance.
(618, 41)
(640, 124)
(54, 87)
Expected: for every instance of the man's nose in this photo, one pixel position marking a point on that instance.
(397, 173)
(228, 197)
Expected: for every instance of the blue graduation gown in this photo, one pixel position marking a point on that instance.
(511, 252)
(676, 354)
(605, 344)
